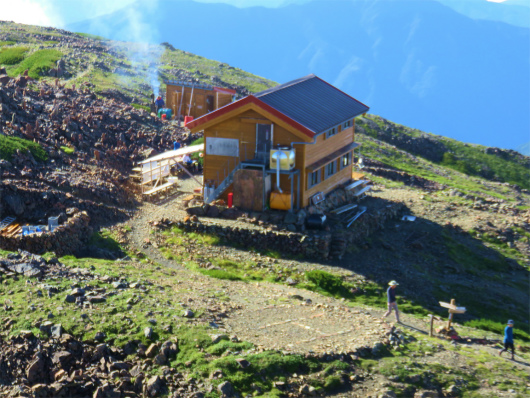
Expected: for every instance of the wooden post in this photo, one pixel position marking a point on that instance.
(191, 100)
(432, 321)
(453, 303)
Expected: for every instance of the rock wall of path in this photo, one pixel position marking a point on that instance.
(68, 238)
(321, 245)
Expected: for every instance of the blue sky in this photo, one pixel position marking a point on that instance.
(61, 12)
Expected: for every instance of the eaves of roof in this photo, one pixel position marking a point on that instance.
(244, 101)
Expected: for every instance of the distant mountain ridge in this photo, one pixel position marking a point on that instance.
(464, 82)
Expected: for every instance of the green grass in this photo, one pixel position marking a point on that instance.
(68, 150)
(497, 327)
(9, 146)
(6, 43)
(468, 159)
(469, 259)
(38, 63)
(139, 106)
(13, 55)
(90, 36)
(104, 239)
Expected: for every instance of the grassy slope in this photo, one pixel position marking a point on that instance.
(469, 159)
(135, 64)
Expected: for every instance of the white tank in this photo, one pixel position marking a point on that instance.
(286, 156)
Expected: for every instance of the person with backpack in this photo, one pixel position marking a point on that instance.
(508, 339)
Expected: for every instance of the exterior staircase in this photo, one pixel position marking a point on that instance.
(210, 194)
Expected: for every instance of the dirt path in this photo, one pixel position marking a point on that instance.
(276, 316)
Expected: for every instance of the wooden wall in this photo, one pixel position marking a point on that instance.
(322, 148)
(243, 128)
(199, 105)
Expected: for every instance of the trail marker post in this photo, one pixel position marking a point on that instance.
(453, 309)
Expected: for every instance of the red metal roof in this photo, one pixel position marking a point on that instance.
(242, 102)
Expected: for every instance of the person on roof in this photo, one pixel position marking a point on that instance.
(159, 103)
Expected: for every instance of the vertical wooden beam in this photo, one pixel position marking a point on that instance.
(453, 302)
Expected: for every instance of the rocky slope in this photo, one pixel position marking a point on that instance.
(191, 315)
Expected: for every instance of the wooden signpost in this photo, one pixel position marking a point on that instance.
(453, 309)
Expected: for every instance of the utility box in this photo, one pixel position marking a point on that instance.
(53, 222)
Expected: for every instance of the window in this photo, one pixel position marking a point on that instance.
(346, 124)
(314, 178)
(331, 168)
(331, 132)
(345, 160)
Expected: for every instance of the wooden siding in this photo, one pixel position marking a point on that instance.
(242, 126)
(199, 105)
(322, 148)
(327, 185)
(217, 167)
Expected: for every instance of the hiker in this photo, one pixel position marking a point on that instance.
(391, 296)
(188, 163)
(508, 339)
(159, 103)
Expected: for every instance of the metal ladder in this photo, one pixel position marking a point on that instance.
(211, 196)
(6, 222)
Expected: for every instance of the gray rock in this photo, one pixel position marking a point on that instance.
(28, 269)
(34, 372)
(154, 386)
(216, 338)
(188, 314)
(306, 389)
(226, 389)
(77, 292)
(148, 332)
(96, 299)
(243, 363)
(69, 299)
(56, 331)
(120, 285)
(160, 359)
(100, 336)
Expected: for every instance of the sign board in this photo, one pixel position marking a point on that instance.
(222, 146)
(317, 198)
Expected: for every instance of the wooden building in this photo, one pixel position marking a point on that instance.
(307, 123)
(189, 99)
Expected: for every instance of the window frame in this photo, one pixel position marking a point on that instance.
(327, 174)
(347, 124)
(348, 156)
(310, 183)
(331, 132)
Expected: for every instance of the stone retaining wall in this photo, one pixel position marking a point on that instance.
(66, 239)
(321, 245)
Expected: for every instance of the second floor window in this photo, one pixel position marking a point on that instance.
(346, 124)
(314, 178)
(331, 168)
(331, 132)
(345, 160)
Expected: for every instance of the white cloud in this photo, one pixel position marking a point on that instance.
(57, 13)
(29, 12)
